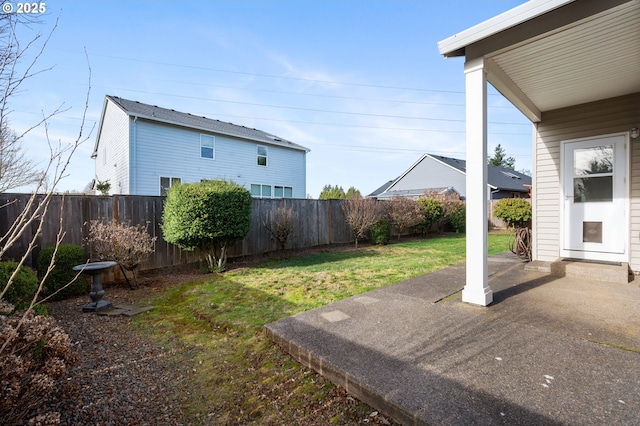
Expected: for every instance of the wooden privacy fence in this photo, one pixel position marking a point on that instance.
(319, 222)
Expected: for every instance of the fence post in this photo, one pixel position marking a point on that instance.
(330, 222)
(116, 212)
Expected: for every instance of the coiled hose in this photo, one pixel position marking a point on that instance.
(520, 243)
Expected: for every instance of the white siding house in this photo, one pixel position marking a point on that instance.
(438, 174)
(143, 149)
(573, 68)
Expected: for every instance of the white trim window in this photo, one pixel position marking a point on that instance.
(207, 146)
(260, 191)
(282, 192)
(168, 182)
(262, 155)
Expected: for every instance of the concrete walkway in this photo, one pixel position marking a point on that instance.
(547, 351)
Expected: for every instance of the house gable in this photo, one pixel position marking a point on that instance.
(111, 152)
(437, 173)
(432, 172)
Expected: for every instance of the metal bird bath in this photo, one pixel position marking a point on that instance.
(95, 269)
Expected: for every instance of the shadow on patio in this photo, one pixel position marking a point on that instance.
(548, 351)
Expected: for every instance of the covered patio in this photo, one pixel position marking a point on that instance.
(573, 68)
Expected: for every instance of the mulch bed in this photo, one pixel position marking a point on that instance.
(120, 377)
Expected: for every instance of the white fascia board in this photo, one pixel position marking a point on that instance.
(453, 45)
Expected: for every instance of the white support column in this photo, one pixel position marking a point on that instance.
(476, 290)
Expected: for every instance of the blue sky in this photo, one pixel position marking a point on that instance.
(360, 83)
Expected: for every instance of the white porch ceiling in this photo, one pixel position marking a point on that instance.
(593, 59)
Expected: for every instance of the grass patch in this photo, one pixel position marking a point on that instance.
(236, 375)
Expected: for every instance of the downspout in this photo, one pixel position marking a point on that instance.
(132, 173)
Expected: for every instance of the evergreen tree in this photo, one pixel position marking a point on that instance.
(500, 159)
(352, 192)
(330, 192)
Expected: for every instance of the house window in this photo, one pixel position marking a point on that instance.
(207, 146)
(282, 192)
(168, 182)
(260, 191)
(262, 155)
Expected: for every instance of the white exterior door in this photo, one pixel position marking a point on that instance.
(595, 199)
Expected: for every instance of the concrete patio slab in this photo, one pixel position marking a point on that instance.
(549, 350)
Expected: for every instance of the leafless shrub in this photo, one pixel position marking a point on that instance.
(35, 351)
(127, 245)
(16, 169)
(280, 223)
(361, 214)
(404, 212)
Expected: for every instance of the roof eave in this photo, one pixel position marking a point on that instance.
(456, 44)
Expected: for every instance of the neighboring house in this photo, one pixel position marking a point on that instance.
(573, 68)
(144, 149)
(442, 175)
(380, 190)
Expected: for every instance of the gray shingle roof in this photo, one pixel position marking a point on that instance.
(156, 113)
(498, 177)
(381, 189)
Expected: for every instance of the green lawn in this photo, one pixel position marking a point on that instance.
(241, 376)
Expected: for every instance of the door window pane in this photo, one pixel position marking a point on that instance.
(593, 174)
(593, 161)
(593, 189)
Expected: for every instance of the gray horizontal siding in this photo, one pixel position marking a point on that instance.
(430, 173)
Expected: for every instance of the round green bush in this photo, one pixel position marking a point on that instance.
(380, 232)
(68, 256)
(23, 287)
(210, 216)
(513, 211)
